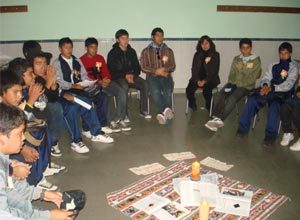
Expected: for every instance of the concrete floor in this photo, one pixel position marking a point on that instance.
(105, 168)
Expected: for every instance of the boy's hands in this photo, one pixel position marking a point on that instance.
(68, 97)
(201, 83)
(53, 196)
(30, 154)
(34, 93)
(265, 89)
(20, 170)
(77, 86)
(60, 214)
(105, 82)
(161, 72)
(129, 77)
(50, 77)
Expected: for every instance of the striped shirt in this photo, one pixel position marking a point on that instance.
(153, 58)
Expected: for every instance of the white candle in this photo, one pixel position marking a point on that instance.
(204, 211)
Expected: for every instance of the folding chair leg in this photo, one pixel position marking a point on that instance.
(187, 107)
(279, 127)
(211, 106)
(173, 108)
(254, 121)
(148, 105)
(115, 102)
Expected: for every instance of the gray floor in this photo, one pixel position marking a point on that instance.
(105, 168)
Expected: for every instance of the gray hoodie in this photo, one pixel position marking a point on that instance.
(16, 200)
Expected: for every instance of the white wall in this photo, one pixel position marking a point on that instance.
(183, 50)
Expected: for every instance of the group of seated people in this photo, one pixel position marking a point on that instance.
(50, 97)
(278, 88)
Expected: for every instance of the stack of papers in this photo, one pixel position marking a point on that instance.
(147, 169)
(179, 156)
(216, 164)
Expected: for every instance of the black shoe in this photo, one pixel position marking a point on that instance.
(241, 135)
(193, 107)
(269, 141)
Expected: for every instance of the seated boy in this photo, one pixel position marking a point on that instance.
(245, 70)
(16, 196)
(276, 86)
(158, 62)
(96, 68)
(125, 69)
(290, 114)
(36, 150)
(70, 73)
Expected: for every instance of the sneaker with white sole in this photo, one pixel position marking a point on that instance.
(295, 146)
(103, 138)
(161, 119)
(44, 184)
(49, 172)
(168, 113)
(114, 126)
(286, 139)
(124, 126)
(145, 115)
(106, 130)
(127, 120)
(55, 151)
(56, 167)
(210, 127)
(216, 122)
(79, 147)
(87, 134)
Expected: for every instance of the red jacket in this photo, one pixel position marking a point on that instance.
(90, 64)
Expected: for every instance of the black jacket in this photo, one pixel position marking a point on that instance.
(122, 62)
(206, 71)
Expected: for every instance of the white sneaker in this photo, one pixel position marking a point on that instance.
(145, 115)
(161, 119)
(210, 127)
(127, 120)
(55, 151)
(56, 167)
(79, 147)
(107, 130)
(168, 113)
(295, 146)
(124, 126)
(286, 139)
(103, 138)
(114, 126)
(49, 172)
(44, 184)
(216, 122)
(87, 134)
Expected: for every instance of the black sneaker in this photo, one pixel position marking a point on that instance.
(268, 142)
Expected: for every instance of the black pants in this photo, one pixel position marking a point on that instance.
(225, 102)
(207, 93)
(290, 114)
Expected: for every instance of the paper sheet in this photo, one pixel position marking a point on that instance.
(151, 203)
(235, 201)
(147, 169)
(87, 83)
(172, 211)
(82, 103)
(216, 164)
(193, 193)
(179, 156)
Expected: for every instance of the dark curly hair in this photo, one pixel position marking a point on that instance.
(202, 39)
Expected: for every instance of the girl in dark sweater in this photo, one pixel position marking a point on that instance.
(205, 72)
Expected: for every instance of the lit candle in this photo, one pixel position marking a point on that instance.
(204, 211)
(195, 171)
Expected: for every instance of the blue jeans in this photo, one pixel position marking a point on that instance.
(119, 90)
(54, 112)
(101, 106)
(71, 110)
(254, 104)
(161, 90)
(39, 166)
